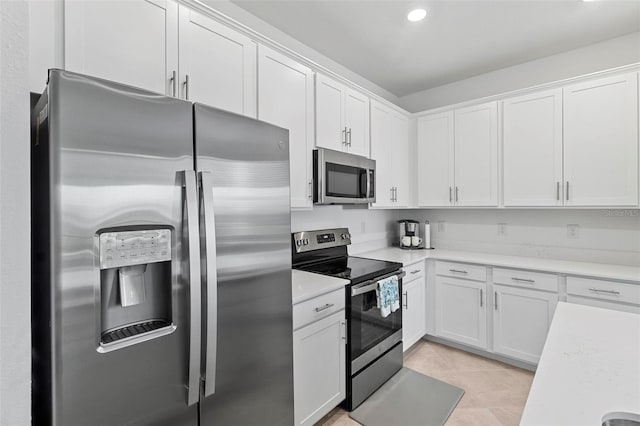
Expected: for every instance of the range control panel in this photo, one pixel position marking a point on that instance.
(130, 248)
(315, 240)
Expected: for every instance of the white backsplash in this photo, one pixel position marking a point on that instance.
(603, 236)
(370, 229)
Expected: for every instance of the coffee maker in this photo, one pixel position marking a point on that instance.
(410, 234)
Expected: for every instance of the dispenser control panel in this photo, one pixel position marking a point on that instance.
(128, 248)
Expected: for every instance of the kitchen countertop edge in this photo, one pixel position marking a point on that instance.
(307, 285)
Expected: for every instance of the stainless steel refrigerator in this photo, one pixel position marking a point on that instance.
(161, 262)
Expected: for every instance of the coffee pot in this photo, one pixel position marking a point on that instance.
(410, 236)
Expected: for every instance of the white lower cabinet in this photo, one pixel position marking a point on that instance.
(413, 305)
(606, 294)
(461, 313)
(319, 356)
(521, 320)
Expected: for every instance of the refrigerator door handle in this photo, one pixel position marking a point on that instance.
(210, 282)
(195, 288)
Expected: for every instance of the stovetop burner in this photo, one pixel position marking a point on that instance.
(332, 259)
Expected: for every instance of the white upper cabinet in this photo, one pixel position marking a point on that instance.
(601, 142)
(532, 149)
(342, 117)
(389, 147)
(476, 155)
(217, 64)
(356, 120)
(285, 98)
(131, 42)
(435, 160)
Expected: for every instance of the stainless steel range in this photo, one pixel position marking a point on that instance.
(374, 345)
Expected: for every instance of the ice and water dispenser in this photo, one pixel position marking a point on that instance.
(135, 286)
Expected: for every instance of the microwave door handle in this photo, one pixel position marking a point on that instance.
(210, 281)
(195, 307)
(368, 183)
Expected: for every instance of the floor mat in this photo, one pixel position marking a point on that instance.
(409, 399)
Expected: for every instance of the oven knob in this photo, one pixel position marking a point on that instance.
(298, 243)
(306, 241)
(345, 236)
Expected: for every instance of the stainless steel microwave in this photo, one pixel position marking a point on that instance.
(341, 178)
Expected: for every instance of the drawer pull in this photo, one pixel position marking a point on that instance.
(458, 270)
(597, 290)
(322, 308)
(523, 280)
(415, 272)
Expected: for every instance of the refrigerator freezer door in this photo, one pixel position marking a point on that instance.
(249, 349)
(114, 158)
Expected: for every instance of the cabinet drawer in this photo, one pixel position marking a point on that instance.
(605, 290)
(461, 270)
(599, 303)
(317, 308)
(413, 271)
(526, 279)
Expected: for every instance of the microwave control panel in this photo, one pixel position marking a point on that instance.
(128, 248)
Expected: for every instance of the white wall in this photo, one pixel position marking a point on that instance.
(370, 229)
(15, 283)
(605, 236)
(596, 57)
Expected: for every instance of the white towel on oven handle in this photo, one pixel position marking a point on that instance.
(388, 295)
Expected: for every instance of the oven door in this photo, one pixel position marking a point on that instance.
(371, 334)
(341, 178)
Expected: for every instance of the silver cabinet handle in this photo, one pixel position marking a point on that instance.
(460, 271)
(349, 133)
(567, 191)
(457, 193)
(391, 190)
(450, 196)
(415, 272)
(495, 300)
(557, 191)
(174, 83)
(597, 290)
(523, 280)
(344, 136)
(195, 301)
(186, 87)
(406, 300)
(481, 298)
(310, 190)
(209, 279)
(343, 333)
(395, 192)
(325, 307)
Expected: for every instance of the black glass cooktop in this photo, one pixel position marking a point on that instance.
(356, 269)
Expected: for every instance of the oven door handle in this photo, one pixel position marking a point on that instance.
(370, 285)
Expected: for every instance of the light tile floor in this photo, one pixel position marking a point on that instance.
(495, 393)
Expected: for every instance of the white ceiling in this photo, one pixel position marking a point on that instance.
(457, 40)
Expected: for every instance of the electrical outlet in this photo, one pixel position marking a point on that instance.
(441, 227)
(502, 229)
(573, 231)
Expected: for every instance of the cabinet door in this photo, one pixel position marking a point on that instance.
(356, 108)
(217, 64)
(435, 160)
(285, 98)
(330, 128)
(381, 148)
(461, 313)
(476, 155)
(521, 320)
(532, 149)
(131, 42)
(601, 142)
(319, 376)
(413, 322)
(399, 142)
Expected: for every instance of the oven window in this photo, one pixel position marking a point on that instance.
(346, 181)
(367, 326)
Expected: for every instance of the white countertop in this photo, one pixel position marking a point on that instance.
(590, 366)
(597, 270)
(307, 285)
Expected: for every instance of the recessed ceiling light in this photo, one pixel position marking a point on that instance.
(417, 15)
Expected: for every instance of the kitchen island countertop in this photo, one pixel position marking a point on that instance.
(590, 366)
